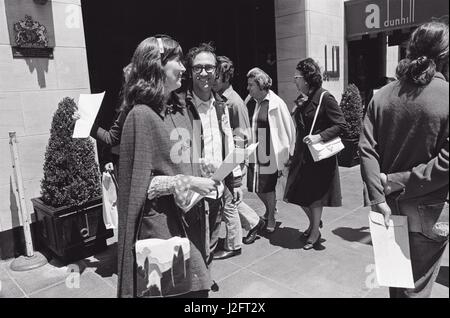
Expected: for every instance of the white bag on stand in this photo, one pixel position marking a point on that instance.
(109, 191)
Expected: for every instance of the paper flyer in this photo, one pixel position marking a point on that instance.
(88, 107)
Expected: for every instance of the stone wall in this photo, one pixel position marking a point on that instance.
(30, 89)
(303, 28)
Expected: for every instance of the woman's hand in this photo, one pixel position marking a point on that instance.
(385, 184)
(384, 209)
(312, 139)
(203, 186)
(389, 187)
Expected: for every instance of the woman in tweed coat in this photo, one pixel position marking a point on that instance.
(155, 174)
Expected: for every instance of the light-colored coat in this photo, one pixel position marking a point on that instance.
(282, 129)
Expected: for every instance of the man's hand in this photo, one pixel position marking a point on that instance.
(202, 186)
(237, 196)
(208, 168)
(384, 209)
(312, 139)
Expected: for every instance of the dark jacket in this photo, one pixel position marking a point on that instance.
(310, 181)
(405, 135)
(110, 137)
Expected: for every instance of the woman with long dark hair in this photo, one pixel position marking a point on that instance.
(314, 185)
(156, 180)
(404, 153)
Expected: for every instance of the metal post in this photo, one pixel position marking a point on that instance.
(25, 216)
(32, 260)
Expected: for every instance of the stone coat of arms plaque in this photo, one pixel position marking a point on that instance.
(31, 29)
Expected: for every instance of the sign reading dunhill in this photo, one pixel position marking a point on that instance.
(372, 16)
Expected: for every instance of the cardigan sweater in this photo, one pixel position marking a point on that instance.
(405, 136)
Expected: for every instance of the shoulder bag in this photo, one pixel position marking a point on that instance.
(323, 150)
(162, 265)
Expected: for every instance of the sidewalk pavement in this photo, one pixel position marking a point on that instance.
(274, 266)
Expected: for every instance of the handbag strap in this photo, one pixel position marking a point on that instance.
(317, 112)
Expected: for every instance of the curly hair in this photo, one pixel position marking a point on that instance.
(427, 53)
(262, 79)
(145, 81)
(193, 52)
(311, 73)
(225, 68)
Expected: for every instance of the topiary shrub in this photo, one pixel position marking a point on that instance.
(71, 174)
(352, 107)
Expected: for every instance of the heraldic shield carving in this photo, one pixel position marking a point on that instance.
(31, 39)
(30, 33)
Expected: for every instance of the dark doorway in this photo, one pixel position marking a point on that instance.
(241, 30)
(366, 64)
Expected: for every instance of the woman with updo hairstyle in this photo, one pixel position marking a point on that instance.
(157, 178)
(404, 150)
(314, 185)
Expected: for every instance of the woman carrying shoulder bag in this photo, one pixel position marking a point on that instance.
(313, 185)
(161, 250)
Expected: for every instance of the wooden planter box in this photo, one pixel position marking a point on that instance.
(349, 156)
(71, 233)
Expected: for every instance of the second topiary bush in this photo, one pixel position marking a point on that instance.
(351, 105)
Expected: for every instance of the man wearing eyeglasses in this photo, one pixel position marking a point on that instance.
(216, 141)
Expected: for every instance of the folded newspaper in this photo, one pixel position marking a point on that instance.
(232, 160)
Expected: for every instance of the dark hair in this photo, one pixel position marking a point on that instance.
(125, 75)
(427, 53)
(225, 68)
(145, 83)
(311, 73)
(193, 52)
(401, 68)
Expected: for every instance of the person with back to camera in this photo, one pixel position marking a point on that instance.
(314, 185)
(404, 149)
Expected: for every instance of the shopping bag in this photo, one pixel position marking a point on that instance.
(109, 191)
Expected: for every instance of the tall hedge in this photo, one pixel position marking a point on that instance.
(71, 174)
(352, 107)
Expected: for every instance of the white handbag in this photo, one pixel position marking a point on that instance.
(323, 150)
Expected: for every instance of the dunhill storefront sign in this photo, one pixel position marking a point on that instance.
(31, 30)
(374, 16)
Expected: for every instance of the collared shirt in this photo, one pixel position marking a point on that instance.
(211, 132)
(212, 137)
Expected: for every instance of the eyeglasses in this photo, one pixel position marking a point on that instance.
(297, 76)
(210, 69)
